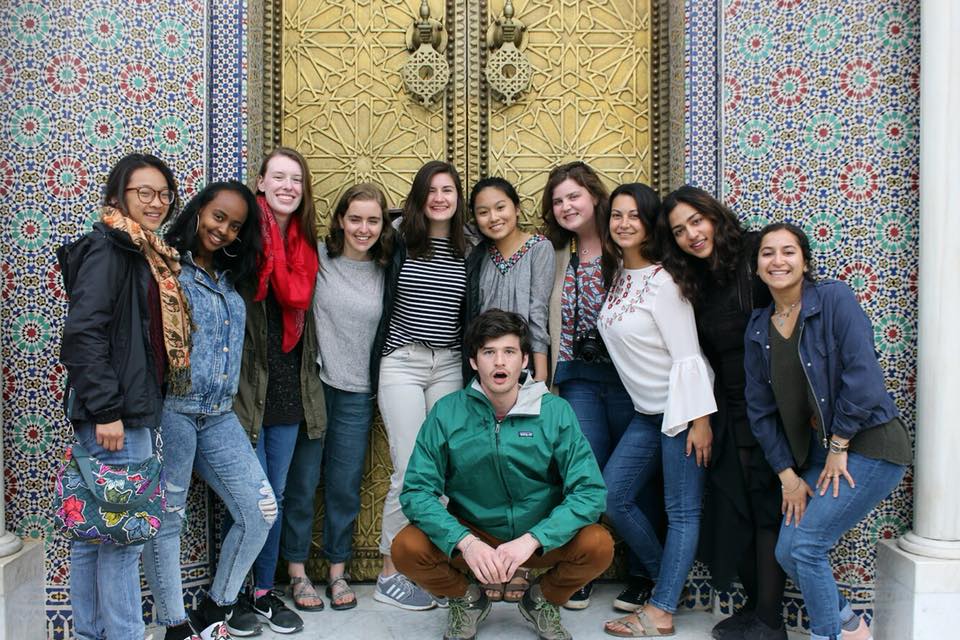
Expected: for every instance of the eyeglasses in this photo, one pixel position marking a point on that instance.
(147, 194)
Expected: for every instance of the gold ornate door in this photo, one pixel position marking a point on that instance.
(592, 95)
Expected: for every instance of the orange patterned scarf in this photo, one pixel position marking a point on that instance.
(164, 262)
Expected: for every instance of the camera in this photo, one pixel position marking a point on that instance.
(589, 347)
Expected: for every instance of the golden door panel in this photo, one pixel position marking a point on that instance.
(344, 106)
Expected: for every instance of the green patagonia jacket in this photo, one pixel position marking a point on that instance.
(248, 404)
(533, 472)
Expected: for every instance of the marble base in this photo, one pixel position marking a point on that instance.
(916, 597)
(22, 600)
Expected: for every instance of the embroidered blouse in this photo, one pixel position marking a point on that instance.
(650, 332)
(521, 284)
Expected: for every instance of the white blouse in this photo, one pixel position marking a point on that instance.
(650, 333)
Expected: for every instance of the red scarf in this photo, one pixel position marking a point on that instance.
(289, 266)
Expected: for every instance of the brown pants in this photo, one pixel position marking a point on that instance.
(583, 558)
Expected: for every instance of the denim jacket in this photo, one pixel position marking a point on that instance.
(218, 315)
(838, 357)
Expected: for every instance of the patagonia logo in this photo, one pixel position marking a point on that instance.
(526, 434)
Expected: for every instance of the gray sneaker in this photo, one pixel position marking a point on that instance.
(545, 616)
(465, 614)
(400, 592)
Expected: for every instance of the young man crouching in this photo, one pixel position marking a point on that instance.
(524, 491)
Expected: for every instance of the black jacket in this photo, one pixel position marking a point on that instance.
(106, 337)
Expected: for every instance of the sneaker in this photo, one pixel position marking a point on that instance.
(441, 602)
(465, 614)
(757, 629)
(182, 631)
(272, 610)
(544, 615)
(862, 632)
(241, 620)
(216, 622)
(400, 592)
(634, 595)
(580, 599)
(732, 627)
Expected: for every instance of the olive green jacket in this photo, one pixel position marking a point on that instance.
(252, 392)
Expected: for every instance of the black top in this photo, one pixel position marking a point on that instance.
(792, 392)
(283, 404)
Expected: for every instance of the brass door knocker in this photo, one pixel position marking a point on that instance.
(508, 71)
(426, 73)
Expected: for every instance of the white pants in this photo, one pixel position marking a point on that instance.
(412, 379)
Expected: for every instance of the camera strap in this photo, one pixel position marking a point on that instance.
(575, 263)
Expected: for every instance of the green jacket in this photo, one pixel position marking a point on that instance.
(252, 392)
(533, 472)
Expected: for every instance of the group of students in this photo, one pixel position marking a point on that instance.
(715, 380)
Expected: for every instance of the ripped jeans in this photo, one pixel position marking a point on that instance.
(217, 447)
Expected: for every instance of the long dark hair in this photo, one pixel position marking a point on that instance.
(583, 175)
(414, 227)
(182, 233)
(690, 272)
(494, 182)
(119, 179)
(382, 249)
(802, 240)
(307, 210)
(648, 205)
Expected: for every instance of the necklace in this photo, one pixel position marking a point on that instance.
(783, 316)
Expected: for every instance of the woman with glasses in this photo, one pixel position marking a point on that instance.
(122, 343)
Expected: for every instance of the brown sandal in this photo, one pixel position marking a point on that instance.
(494, 590)
(643, 627)
(302, 590)
(513, 591)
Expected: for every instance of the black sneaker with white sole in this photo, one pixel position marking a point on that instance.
(213, 621)
(272, 610)
(580, 599)
(634, 595)
(241, 620)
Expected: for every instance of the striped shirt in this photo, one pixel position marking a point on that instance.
(429, 295)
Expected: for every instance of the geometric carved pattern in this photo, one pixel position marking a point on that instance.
(589, 96)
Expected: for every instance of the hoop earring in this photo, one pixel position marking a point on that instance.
(228, 254)
(197, 232)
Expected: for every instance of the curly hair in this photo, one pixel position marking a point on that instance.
(182, 233)
(582, 174)
(691, 272)
(648, 206)
(382, 250)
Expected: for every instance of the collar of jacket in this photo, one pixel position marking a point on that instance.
(528, 401)
(760, 320)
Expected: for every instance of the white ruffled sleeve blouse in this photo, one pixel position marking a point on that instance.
(651, 335)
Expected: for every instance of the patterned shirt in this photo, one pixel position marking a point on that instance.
(591, 300)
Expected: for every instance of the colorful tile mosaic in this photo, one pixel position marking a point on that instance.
(820, 112)
(701, 141)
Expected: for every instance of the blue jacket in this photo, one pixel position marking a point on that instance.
(219, 314)
(838, 356)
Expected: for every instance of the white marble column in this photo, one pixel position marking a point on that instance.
(918, 576)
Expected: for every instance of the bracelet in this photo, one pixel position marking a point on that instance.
(467, 546)
(838, 447)
(783, 487)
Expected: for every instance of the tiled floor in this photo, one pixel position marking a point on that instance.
(371, 620)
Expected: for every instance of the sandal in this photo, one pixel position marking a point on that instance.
(302, 591)
(494, 590)
(638, 626)
(513, 591)
(339, 588)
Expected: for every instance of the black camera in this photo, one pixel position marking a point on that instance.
(589, 347)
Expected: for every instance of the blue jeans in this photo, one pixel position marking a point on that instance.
(275, 451)
(804, 550)
(105, 577)
(219, 449)
(343, 451)
(604, 411)
(627, 475)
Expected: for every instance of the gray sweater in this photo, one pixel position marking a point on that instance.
(347, 304)
(521, 284)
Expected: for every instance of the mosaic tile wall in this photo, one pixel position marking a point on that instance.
(820, 127)
(83, 83)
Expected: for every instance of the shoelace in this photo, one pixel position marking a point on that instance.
(549, 617)
(458, 616)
